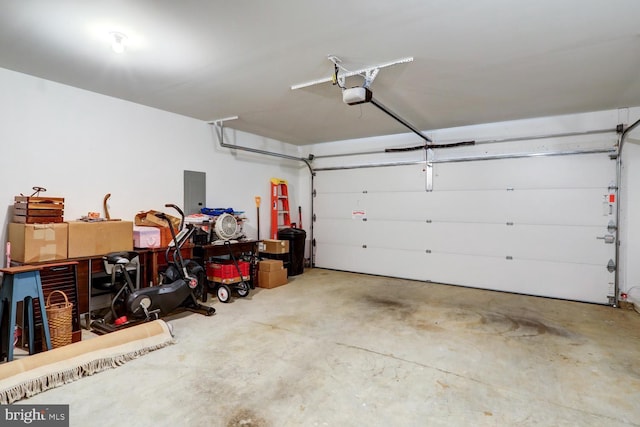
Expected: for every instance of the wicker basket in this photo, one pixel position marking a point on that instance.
(60, 320)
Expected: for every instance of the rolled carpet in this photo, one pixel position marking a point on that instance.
(34, 374)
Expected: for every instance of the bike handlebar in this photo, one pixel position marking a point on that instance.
(171, 205)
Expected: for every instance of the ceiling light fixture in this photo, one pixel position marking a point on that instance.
(118, 42)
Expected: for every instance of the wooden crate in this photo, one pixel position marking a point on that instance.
(38, 210)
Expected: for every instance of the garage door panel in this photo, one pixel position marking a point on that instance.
(561, 207)
(342, 257)
(480, 239)
(536, 242)
(577, 245)
(380, 261)
(394, 263)
(525, 173)
(520, 276)
(396, 205)
(398, 235)
(467, 239)
(410, 206)
(461, 206)
(577, 207)
(333, 231)
(552, 207)
(540, 278)
(396, 178)
(338, 205)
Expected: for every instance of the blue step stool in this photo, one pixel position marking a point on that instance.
(21, 284)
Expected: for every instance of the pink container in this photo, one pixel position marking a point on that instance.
(146, 237)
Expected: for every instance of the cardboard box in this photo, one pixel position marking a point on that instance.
(99, 238)
(270, 246)
(146, 237)
(272, 279)
(38, 242)
(270, 265)
(149, 219)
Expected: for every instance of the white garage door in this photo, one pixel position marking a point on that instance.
(529, 225)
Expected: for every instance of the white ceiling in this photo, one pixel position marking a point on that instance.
(475, 61)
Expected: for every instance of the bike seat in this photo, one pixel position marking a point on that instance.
(124, 257)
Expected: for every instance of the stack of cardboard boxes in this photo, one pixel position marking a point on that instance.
(272, 272)
(31, 243)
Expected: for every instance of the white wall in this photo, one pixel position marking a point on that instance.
(81, 145)
(630, 197)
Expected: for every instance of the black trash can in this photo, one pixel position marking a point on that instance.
(296, 238)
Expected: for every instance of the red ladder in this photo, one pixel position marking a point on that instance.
(280, 216)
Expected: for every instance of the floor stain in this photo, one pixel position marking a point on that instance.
(385, 303)
(383, 306)
(520, 326)
(246, 418)
(437, 319)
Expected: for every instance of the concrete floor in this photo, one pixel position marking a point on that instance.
(341, 349)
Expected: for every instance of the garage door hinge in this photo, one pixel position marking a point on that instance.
(314, 217)
(611, 266)
(428, 251)
(509, 223)
(313, 243)
(509, 258)
(314, 193)
(429, 221)
(364, 219)
(364, 246)
(364, 191)
(509, 188)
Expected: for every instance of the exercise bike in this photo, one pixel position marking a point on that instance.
(182, 284)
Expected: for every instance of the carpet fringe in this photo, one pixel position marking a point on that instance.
(57, 379)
